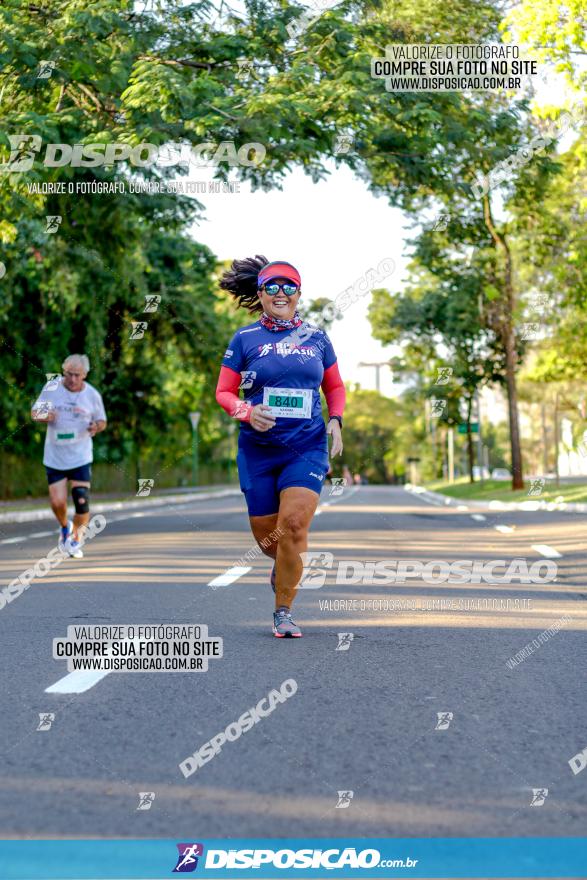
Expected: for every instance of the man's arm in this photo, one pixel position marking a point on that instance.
(43, 412)
(98, 422)
(97, 426)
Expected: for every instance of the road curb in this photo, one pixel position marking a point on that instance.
(108, 506)
(446, 500)
(434, 497)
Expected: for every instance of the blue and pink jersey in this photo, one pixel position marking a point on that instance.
(258, 358)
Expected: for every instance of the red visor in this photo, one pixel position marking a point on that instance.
(279, 269)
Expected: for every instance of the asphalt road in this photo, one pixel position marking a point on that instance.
(363, 719)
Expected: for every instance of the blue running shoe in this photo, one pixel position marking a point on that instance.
(74, 548)
(64, 533)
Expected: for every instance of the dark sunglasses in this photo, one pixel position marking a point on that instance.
(274, 288)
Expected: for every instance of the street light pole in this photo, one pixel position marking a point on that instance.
(194, 419)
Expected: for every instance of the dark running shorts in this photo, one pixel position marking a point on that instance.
(83, 473)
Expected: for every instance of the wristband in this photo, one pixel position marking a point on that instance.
(336, 418)
(242, 411)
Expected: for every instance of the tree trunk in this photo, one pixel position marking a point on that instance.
(508, 336)
(516, 451)
(544, 440)
(470, 451)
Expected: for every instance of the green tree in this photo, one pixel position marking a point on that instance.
(439, 320)
(433, 173)
(553, 32)
(372, 430)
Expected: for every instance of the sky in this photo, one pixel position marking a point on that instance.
(333, 232)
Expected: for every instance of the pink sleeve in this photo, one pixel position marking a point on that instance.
(227, 395)
(334, 391)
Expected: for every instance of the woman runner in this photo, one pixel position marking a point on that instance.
(280, 363)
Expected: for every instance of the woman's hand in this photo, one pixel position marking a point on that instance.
(262, 418)
(334, 429)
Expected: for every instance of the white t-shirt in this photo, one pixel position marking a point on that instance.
(67, 443)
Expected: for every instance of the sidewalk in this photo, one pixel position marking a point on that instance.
(463, 503)
(34, 509)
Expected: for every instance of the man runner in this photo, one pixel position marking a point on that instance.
(74, 413)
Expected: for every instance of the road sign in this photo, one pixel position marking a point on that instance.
(462, 429)
(194, 419)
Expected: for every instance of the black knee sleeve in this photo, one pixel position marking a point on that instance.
(81, 499)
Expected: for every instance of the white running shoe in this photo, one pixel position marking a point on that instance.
(63, 538)
(74, 548)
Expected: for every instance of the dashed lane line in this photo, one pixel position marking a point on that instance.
(77, 682)
(547, 550)
(230, 576)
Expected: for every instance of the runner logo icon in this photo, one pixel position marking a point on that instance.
(187, 860)
(444, 719)
(248, 379)
(344, 799)
(539, 795)
(146, 799)
(46, 719)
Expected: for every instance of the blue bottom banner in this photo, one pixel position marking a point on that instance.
(366, 858)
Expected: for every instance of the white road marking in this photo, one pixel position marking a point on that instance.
(421, 492)
(26, 537)
(479, 517)
(433, 501)
(154, 504)
(503, 529)
(230, 576)
(76, 682)
(547, 551)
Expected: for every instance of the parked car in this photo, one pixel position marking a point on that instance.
(480, 473)
(500, 474)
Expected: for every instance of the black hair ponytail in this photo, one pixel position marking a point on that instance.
(241, 282)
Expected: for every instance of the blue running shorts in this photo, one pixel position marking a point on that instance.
(264, 471)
